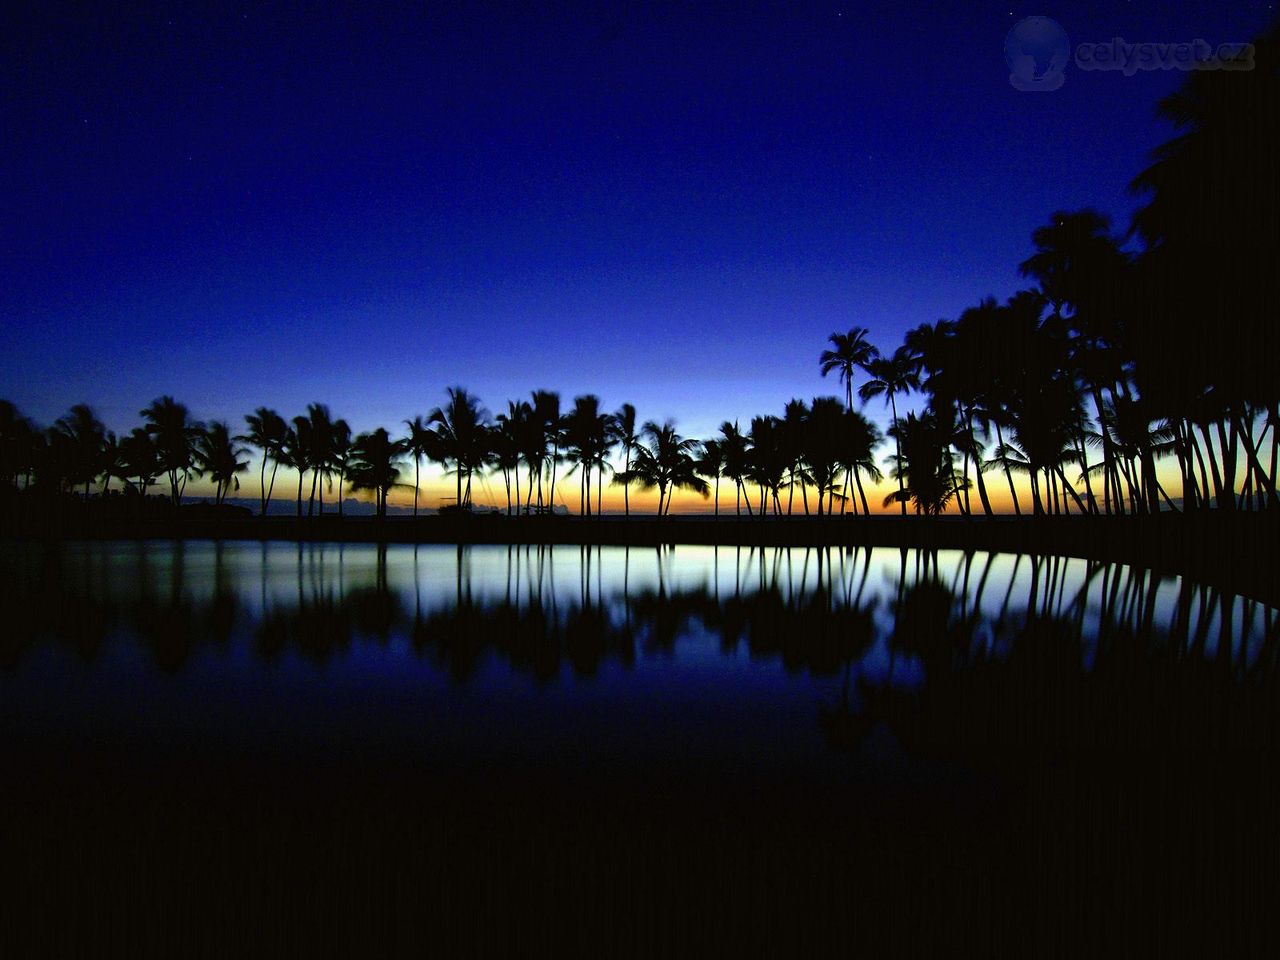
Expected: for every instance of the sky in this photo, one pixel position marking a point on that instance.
(669, 204)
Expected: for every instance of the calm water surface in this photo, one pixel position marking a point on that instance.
(833, 664)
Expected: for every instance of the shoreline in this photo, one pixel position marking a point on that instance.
(1238, 551)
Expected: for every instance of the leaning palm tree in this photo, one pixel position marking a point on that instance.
(175, 435)
(849, 352)
(267, 431)
(218, 457)
(892, 376)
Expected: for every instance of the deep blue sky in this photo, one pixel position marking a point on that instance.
(669, 204)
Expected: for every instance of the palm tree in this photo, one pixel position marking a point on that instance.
(518, 438)
(17, 441)
(218, 455)
(85, 439)
(860, 439)
(624, 434)
(923, 466)
(375, 466)
(268, 432)
(849, 352)
(418, 444)
(340, 452)
(736, 449)
(712, 464)
(463, 438)
(664, 460)
(793, 436)
(318, 455)
(823, 444)
(546, 414)
(588, 437)
(139, 458)
(175, 435)
(892, 376)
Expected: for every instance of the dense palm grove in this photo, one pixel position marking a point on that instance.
(1160, 345)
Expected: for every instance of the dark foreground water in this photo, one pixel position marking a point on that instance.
(632, 746)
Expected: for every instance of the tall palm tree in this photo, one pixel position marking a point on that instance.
(892, 377)
(341, 446)
(823, 444)
(175, 435)
(736, 447)
(267, 431)
(218, 456)
(463, 438)
(546, 413)
(860, 439)
(519, 438)
(418, 444)
(712, 464)
(849, 352)
(318, 454)
(625, 435)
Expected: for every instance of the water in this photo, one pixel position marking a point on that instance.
(627, 746)
(837, 665)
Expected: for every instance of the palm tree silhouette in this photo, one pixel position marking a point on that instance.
(666, 461)
(849, 352)
(736, 448)
(340, 450)
(175, 435)
(85, 440)
(218, 456)
(463, 439)
(267, 431)
(892, 376)
(712, 464)
(375, 466)
(624, 434)
(418, 444)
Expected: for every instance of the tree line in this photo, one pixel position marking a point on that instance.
(1127, 349)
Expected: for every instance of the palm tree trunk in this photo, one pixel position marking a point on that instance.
(898, 443)
(626, 485)
(1272, 499)
(417, 466)
(862, 495)
(262, 482)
